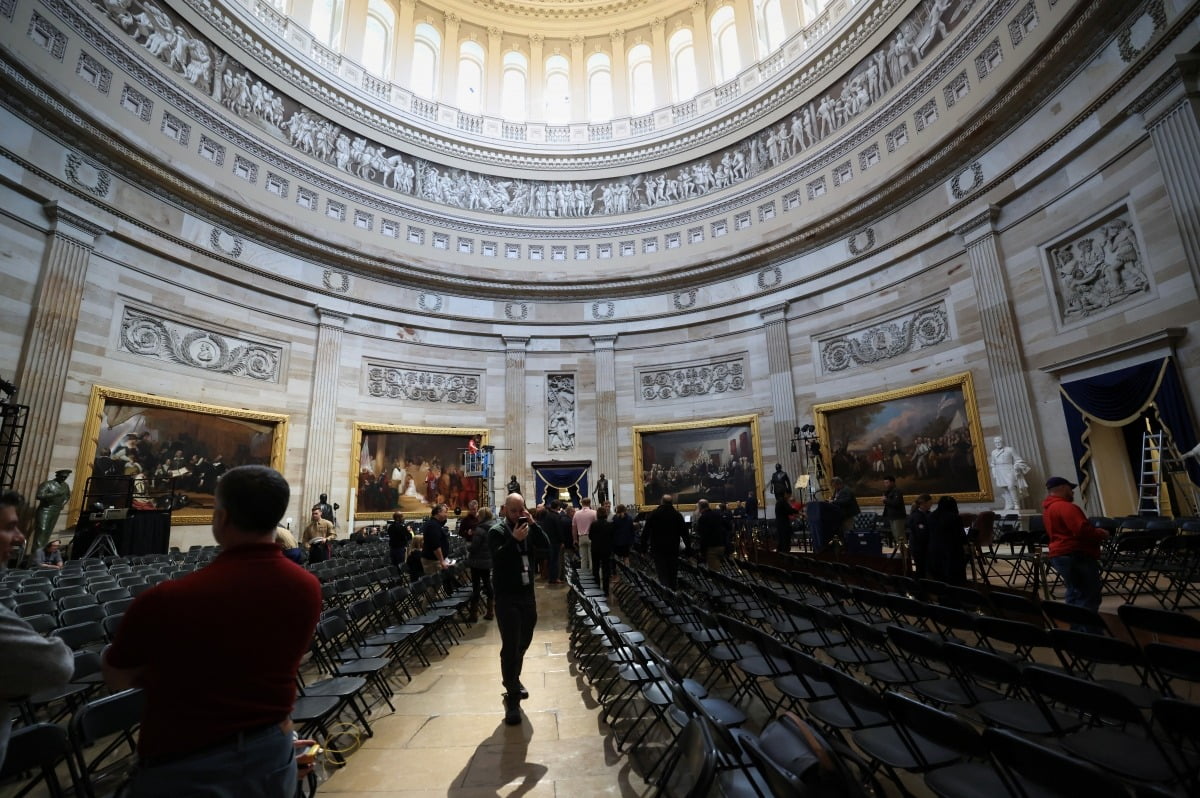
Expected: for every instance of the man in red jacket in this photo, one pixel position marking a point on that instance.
(1074, 544)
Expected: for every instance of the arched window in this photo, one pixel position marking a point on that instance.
(725, 44)
(427, 46)
(514, 86)
(683, 65)
(327, 22)
(641, 80)
(377, 37)
(470, 77)
(600, 98)
(558, 90)
(768, 20)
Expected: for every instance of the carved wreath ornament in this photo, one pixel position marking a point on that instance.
(202, 349)
(422, 386)
(693, 381)
(884, 341)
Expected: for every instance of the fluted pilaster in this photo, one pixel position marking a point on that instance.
(1171, 109)
(320, 456)
(783, 392)
(515, 415)
(606, 413)
(50, 339)
(701, 48)
(1014, 405)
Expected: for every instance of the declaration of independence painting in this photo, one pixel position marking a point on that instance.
(717, 459)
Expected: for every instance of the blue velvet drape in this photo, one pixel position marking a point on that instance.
(561, 477)
(1121, 397)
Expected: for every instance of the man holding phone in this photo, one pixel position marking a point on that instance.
(512, 541)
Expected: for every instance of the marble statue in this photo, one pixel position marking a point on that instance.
(1008, 473)
(52, 496)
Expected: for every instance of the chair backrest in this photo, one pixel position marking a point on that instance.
(693, 774)
(111, 624)
(780, 781)
(70, 602)
(1074, 615)
(43, 624)
(81, 615)
(81, 634)
(942, 728)
(1087, 697)
(1051, 768)
(41, 747)
(1159, 622)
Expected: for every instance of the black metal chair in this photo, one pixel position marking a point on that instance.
(34, 752)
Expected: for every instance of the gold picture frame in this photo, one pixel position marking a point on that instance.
(928, 436)
(392, 454)
(223, 436)
(699, 454)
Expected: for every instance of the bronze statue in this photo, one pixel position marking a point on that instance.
(52, 496)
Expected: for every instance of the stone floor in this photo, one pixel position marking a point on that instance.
(447, 736)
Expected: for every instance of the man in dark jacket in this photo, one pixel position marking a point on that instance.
(512, 542)
(894, 513)
(711, 533)
(666, 529)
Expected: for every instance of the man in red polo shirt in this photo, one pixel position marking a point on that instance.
(217, 653)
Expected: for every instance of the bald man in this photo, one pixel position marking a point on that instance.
(512, 540)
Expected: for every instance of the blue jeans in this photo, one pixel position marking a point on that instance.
(1081, 575)
(260, 763)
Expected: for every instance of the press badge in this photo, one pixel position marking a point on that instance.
(525, 570)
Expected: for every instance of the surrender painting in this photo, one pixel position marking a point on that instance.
(927, 436)
(410, 469)
(161, 442)
(718, 460)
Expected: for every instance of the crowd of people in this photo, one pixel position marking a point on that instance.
(413, 482)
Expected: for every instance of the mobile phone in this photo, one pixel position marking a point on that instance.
(312, 750)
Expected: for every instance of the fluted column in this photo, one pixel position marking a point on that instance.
(783, 393)
(537, 76)
(620, 76)
(579, 92)
(448, 90)
(353, 32)
(743, 12)
(320, 457)
(790, 10)
(402, 45)
(606, 413)
(661, 62)
(701, 46)
(515, 416)
(494, 73)
(1171, 109)
(49, 341)
(1014, 404)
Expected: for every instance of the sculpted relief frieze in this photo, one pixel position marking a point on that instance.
(560, 412)
(885, 340)
(727, 375)
(174, 341)
(1098, 269)
(170, 40)
(418, 385)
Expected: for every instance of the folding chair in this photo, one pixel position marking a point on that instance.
(116, 716)
(1039, 770)
(37, 750)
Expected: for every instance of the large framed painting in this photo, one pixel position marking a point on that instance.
(927, 436)
(173, 443)
(718, 459)
(411, 468)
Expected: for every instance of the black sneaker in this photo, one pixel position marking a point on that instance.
(512, 710)
(522, 692)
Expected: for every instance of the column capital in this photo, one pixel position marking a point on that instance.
(604, 342)
(408, 5)
(658, 25)
(775, 313)
(617, 36)
(494, 33)
(979, 225)
(515, 342)
(330, 318)
(1179, 81)
(536, 39)
(72, 224)
(451, 18)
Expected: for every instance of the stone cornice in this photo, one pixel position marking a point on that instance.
(74, 224)
(978, 225)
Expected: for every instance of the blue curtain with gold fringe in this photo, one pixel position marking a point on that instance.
(1121, 397)
(570, 478)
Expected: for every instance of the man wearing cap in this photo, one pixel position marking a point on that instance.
(1074, 544)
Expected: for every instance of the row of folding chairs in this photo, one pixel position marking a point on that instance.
(839, 672)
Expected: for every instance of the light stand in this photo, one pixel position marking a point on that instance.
(808, 444)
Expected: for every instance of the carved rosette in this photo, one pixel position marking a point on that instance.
(886, 340)
(699, 380)
(560, 412)
(415, 385)
(177, 342)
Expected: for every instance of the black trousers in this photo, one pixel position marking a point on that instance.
(602, 569)
(667, 568)
(516, 615)
(481, 583)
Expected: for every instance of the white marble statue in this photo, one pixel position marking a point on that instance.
(1008, 473)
